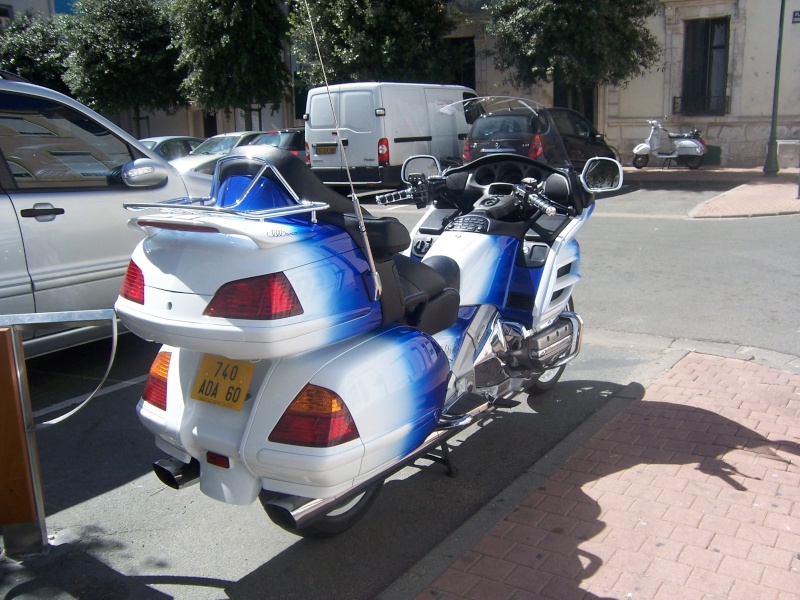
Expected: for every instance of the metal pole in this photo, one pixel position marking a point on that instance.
(21, 497)
(771, 163)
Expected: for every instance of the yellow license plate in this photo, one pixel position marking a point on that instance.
(326, 150)
(222, 381)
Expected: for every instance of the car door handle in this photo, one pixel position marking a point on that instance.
(50, 211)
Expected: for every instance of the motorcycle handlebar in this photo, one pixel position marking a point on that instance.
(543, 205)
(393, 197)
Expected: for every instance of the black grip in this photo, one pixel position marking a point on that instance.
(543, 205)
(393, 197)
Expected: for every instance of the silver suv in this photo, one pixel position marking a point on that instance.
(65, 173)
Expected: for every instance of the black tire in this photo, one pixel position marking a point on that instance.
(693, 162)
(547, 380)
(340, 519)
(641, 160)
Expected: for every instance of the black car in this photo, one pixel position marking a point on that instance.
(292, 139)
(581, 140)
(511, 131)
(520, 132)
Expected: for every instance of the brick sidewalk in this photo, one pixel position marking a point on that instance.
(692, 492)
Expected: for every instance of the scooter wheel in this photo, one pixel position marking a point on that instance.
(640, 160)
(340, 519)
(693, 162)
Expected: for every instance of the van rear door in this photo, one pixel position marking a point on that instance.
(321, 138)
(359, 131)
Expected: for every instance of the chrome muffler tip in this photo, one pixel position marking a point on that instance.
(176, 474)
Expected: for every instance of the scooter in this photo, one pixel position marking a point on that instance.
(306, 358)
(686, 148)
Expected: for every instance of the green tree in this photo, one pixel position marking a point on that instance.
(373, 39)
(233, 51)
(34, 49)
(120, 57)
(581, 43)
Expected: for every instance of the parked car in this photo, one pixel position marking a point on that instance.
(581, 140)
(520, 133)
(509, 131)
(203, 159)
(171, 147)
(292, 139)
(65, 173)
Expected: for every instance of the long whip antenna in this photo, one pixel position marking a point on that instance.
(374, 278)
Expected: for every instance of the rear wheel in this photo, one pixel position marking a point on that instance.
(640, 160)
(340, 519)
(693, 162)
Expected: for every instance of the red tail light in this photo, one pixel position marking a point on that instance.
(465, 151)
(536, 149)
(308, 155)
(317, 418)
(133, 284)
(383, 152)
(265, 298)
(155, 388)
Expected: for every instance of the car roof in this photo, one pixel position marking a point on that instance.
(161, 138)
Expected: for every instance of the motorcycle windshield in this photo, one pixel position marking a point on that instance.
(504, 124)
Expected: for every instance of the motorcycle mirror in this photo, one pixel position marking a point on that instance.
(422, 164)
(601, 174)
(144, 172)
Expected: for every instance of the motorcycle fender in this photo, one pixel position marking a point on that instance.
(641, 149)
(393, 383)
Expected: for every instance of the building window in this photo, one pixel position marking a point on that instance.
(705, 68)
(6, 15)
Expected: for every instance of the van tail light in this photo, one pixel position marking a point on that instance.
(155, 388)
(317, 418)
(265, 298)
(383, 152)
(465, 150)
(133, 284)
(536, 149)
(308, 155)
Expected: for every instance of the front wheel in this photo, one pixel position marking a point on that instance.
(549, 378)
(340, 519)
(640, 160)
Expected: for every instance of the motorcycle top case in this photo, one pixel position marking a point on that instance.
(187, 261)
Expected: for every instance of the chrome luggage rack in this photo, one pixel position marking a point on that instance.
(196, 206)
(201, 206)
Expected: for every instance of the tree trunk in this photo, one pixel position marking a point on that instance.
(248, 119)
(137, 123)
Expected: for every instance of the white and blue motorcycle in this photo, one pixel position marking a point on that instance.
(311, 350)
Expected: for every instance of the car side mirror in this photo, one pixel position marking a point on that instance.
(601, 174)
(145, 172)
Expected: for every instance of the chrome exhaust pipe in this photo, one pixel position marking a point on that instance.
(176, 474)
(293, 512)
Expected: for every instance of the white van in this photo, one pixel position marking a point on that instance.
(381, 125)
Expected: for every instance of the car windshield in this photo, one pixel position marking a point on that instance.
(507, 125)
(148, 144)
(216, 145)
(268, 139)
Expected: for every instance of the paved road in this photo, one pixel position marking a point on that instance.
(117, 533)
